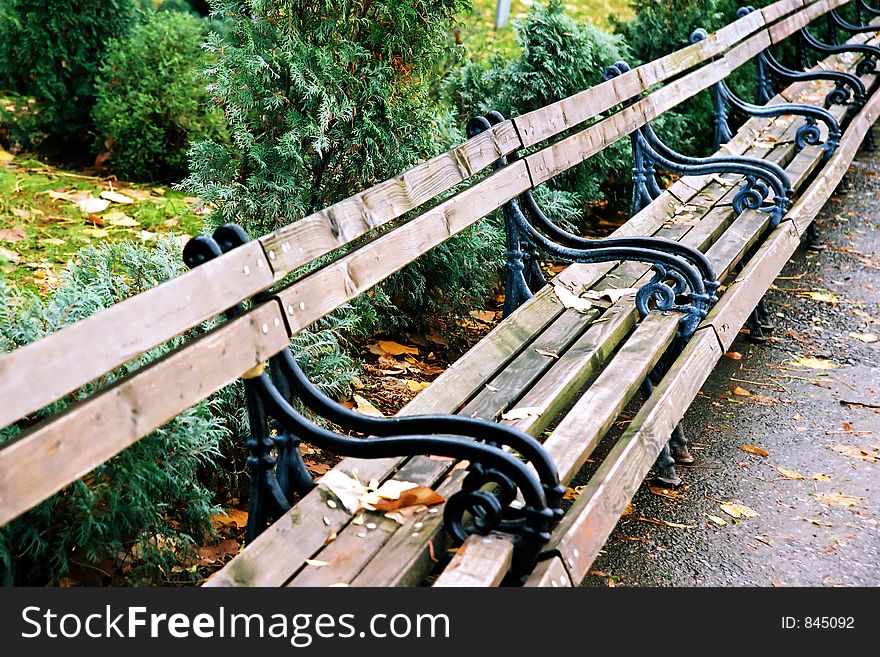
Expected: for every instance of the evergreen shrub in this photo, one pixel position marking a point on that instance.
(51, 50)
(151, 101)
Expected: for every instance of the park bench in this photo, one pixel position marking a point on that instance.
(556, 366)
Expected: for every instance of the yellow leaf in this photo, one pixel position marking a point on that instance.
(365, 407)
(856, 453)
(820, 296)
(738, 510)
(821, 477)
(117, 197)
(836, 499)
(416, 386)
(752, 449)
(742, 392)
(396, 349)
(721, 522)
(864, 337)
(814, 363)
(789, 474)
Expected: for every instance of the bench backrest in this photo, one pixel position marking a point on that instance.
(65, 447)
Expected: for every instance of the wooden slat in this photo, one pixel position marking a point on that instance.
(37, 374)
(480, 561)
(745, 51)
(585, 528)
(53, 454)
(574, 439)
(777, 10)
(325, 290)
(311, 237)
(751, 284)
(549, 573)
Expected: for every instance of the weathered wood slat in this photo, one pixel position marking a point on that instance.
(480, 561)
(325, 290)
(777, 10)
(574, 439)
(36, 375)
(549, 573)
(316, 235)
(586, 526)
(51, 455)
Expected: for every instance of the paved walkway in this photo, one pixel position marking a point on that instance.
(816, 493)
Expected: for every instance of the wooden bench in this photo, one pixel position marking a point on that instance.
(546, 366)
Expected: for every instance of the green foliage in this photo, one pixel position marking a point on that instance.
(150, 98)
(322, 98)
(559, 57)
(51, 50)
(145, 506)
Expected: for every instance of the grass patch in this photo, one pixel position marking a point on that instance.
(483, 40)
(42, 224)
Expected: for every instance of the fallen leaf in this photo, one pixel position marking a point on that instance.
(413, 496)
(21, 213)
(521, 413)
(836, 499)
(5, 156)
(721, 522)
(396, 349)
(116, 197)
(363, 406)
(821, 477)
(856, 453)
(547, 352)
(789, 474)
(571, 300)
(488, 316)
(213, 553)
(665, 523)
(235, 517)
(629, 510)
(347, 489)
(316, 468)
(864, 337)
(53, 241)
(96, 232)
(752, 449)
(738, 510)
(16, 234)
(820, 296)
(763, 399)
(733, 355)
(573, 493)
(9, 256)
(401, 516)
(814, 363)
(417, 386)
(741, 392)
(315, 563)
(92, 205)
(665, 492)
(615, 294)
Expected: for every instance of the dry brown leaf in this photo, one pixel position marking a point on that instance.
(396, 349)
(10, 256)
(629, 510)
(16, 234)
(235, 517)
(741, 392)
(417, 496)
(363, 406)
(665, 492)
(738, 510)
(488, 316)
(21, 213)
(733, 355)
(547, 352)
(752, 449)
(570, 300)
(836, 499)
(665, 523)
(116, 197)
(864, 337)
(763, 399)
(573, 493)
(856, 452)
(721, 522)
(215, 553)
(789, 474)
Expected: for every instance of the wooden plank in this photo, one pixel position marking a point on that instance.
(480, 561)
(57, 452)
(743, 233)
(578, 433)
(549, 573)
(585, 528)
(745, 51)
(504, 389)
(316, 235)
(574, 368)
(40, 373)
(777, 10)
(325, 290)
(751, 284)
(686, 87)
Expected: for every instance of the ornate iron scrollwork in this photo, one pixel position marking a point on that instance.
(808, 133)
(809, 42)
(486, 445)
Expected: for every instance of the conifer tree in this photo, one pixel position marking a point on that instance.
(323, 98)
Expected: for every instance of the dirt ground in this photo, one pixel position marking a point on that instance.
(790, 430)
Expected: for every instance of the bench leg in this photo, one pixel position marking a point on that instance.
(665, 463)
(870, 143)
(814, 238)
